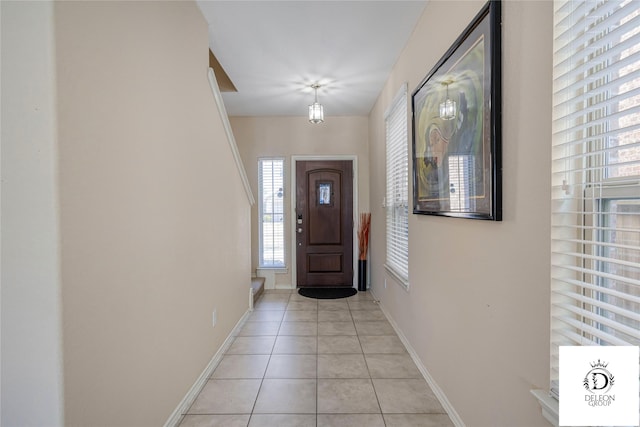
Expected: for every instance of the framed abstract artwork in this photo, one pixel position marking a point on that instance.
(457, 126)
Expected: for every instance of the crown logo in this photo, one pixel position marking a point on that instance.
(599, 364)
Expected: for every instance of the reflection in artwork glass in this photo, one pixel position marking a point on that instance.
(461, 189)
(445, 142)
(324, 194)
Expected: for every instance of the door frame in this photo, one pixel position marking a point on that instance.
(298, 158)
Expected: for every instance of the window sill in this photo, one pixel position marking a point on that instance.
(549, 406)
(277, 270)
(404, 283)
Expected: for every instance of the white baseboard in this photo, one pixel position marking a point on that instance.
(187, 401)
(442, 398)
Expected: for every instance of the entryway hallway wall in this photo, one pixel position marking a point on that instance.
(135, 170)
(294, 136)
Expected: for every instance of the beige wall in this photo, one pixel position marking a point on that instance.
(31, 337)
(147, 182)
(477, 312)
(295, 136)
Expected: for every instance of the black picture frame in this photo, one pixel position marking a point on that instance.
(457, 165)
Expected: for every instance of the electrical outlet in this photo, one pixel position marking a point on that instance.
(214, 317)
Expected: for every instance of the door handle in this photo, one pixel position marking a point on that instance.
(299, 230)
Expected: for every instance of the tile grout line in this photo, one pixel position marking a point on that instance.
(264, 374)
(317, 354)
(375, 393)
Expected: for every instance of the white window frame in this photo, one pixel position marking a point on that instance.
(397, 188)
(261, 254)
(595, 109)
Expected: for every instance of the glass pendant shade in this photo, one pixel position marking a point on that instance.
(316, 113)
(448, 109)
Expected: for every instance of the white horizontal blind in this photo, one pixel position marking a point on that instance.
(271, 212)
(397, 201)
(595, 266)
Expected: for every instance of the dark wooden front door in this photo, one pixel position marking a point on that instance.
(324, 223)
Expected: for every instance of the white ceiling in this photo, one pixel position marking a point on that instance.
(274, 50)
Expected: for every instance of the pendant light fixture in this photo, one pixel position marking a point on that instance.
(316, 111)
(448, 108)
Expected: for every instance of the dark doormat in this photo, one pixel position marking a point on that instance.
(327, 293)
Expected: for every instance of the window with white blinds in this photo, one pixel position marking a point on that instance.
(595, 264)
(271, 212)
(397, 200)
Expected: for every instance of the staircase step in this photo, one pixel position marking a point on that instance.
(257, 284)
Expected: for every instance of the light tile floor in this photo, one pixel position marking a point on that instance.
(301, 362)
